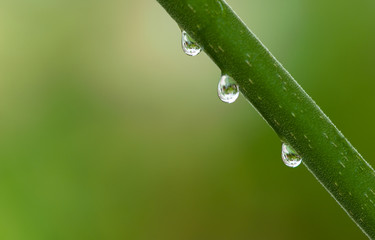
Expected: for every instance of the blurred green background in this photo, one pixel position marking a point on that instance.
(108, 131)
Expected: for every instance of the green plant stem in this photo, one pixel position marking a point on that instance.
(286, 107)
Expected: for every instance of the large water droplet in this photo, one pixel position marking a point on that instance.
(227, 89)
(290, 156)
(189, 46)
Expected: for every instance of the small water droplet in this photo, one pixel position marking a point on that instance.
(189, 46)
(290, 156)
(227, 89)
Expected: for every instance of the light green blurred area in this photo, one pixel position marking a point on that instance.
(108, 131)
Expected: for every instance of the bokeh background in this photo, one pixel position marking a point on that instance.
(108, 131)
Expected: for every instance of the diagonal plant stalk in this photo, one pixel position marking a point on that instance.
(286, 107)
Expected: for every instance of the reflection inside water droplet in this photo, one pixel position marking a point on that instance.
(189, 46)
(290, 156)
(227, 89)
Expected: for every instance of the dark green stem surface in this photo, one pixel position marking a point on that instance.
(286, 107)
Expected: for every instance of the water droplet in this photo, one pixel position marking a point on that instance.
(290, 156)
(189, 46)
(227, 89)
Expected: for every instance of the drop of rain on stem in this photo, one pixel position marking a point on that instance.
(290, 156)
(227, 89)
(189, 46)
